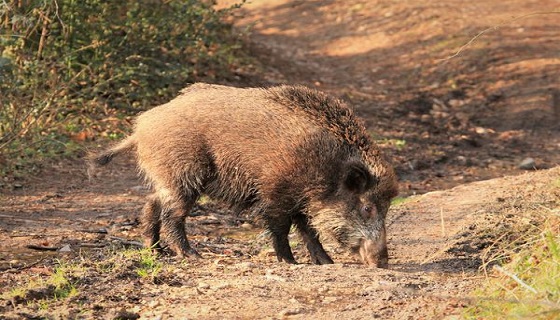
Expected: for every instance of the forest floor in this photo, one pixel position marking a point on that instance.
(457, 129)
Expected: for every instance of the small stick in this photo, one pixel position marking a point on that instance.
(92, 245)
(27, 266)
(41, 248)
(442, 222)
(127, 242)
(496, 27)
(100, 231)
(515, 278)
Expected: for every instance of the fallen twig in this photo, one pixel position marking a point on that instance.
(496, 27)
(515, 278)
(41, 248)
(93, 245)
(100, 231)
(27, 266)
(127, 242)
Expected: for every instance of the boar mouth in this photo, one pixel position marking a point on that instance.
(373, 247)
(374, 253)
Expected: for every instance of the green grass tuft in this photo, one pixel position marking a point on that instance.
(528, 287)
(60, 285)
(63, 286)
(398, 200)
(146, 263)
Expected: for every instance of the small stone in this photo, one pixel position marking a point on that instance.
(153, 303)
(203, 285)
(323, 289)
(290, 312)
(222, 286)
(329, 299)
(66, 248)
(483, 131)
(297, 266)
(464, 161)
(426, 118)
(123, 314)
(439, 105)
(455, 103)
(247, 265)
(528, 164)
(273, 277)
(440, 114)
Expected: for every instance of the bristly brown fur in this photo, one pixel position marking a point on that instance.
(326, 111)
(334, 114)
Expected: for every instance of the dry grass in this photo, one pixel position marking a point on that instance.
(523, 266)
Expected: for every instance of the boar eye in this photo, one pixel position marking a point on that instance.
(367, 211)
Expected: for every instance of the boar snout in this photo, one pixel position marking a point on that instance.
(374, 252)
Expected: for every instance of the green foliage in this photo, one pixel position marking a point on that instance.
(64, 63)
(398, 200)
(59, 285)
(63, 287)
(399, 144)
(148, 264)
(526, 288)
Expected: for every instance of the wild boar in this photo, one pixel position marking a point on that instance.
(289, 154)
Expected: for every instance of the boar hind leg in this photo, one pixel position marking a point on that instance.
(311, 240)
(173, 226)
(280, 228)
(150, 220)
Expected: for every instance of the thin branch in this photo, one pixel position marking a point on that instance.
(496, 27)
(41, 248)
(515, 278)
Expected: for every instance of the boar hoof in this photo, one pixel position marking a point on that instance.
(189, 253)
(321, 259)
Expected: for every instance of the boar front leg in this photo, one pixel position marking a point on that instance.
(279, 229)
(311, 240)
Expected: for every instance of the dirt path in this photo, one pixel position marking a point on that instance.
(434, 242)
(471, 118)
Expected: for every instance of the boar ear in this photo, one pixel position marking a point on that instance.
(357, 177)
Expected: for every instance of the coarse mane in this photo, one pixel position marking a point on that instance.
(326, 111)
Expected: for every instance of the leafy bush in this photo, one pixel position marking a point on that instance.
(64, 63)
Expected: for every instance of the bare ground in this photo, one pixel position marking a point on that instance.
(443, 123)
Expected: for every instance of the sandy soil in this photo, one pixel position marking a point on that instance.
(444, 124)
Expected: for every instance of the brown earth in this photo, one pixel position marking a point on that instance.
(443, 121)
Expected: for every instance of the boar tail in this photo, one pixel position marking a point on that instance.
(106, 156)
